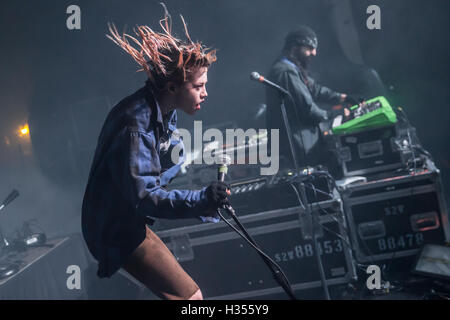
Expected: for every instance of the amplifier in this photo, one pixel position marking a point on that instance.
(263, 193)
(396, 216)
(226, 267)
(367, 151)
(260, 194)
(277, 192)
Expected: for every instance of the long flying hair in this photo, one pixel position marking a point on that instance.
(161, 55)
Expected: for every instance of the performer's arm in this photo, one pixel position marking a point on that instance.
(136, 171)
(302, 97)
(323, 94)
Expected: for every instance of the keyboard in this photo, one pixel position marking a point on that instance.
(376, 112)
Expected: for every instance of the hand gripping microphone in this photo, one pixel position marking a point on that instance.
(221, 173)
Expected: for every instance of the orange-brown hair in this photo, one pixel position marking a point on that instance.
(162, 56)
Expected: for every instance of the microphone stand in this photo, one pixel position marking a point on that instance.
(309, 213)
(4, 244)
(277, 273)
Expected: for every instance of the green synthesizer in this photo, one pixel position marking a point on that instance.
(373, 113)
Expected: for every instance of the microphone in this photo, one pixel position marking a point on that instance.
(223, 168)
(222, 171)
(257, 77)
(14, 194)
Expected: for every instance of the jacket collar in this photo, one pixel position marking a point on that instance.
(163, 120)
(286, 60)
(301, 73)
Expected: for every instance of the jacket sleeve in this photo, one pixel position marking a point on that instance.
(304, 102)
(323, 94)
(136, 170)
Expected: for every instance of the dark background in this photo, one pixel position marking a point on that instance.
(63, 82)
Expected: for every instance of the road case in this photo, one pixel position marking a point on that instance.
(368, 151)
(226, 267)
(394, 217)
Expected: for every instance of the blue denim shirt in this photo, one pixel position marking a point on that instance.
(131, 168)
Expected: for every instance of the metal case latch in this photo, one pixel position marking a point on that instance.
(371, 230)
(424, 221)
(181, 247)
(370, 149)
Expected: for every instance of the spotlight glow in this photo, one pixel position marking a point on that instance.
(25, 130)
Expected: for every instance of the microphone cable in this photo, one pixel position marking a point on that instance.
(278, 273)
(316, 245)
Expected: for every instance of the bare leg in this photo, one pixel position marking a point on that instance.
(197, 295)
(154, 265)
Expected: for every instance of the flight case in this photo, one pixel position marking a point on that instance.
(394, 217)
(226, 267)
(368, 151)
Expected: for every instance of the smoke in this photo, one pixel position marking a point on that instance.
(54, 71)
(56, 210)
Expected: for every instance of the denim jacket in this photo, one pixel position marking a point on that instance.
(132, 166)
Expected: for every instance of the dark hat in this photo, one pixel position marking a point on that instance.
(302, 35)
